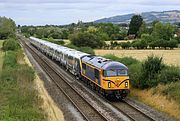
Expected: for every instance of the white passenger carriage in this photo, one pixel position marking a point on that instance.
(67, 57)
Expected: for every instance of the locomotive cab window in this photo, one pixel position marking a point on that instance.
(121, 72)
(115, 72)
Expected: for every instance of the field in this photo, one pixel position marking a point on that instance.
(171, 57)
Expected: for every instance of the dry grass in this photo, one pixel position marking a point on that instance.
(158, 101)
(169, 56)
(48, 105)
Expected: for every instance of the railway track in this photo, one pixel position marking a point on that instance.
(83, 106)
(131, 112)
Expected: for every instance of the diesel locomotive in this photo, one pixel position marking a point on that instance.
(109, 78)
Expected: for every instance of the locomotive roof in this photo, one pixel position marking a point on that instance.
(103, 63)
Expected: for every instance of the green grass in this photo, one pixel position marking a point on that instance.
(18, 98)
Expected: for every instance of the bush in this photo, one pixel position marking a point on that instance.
(87, 50)
(150, 70)
(134, 74)
(72, 46)
(125, 45)
(125, 60)
(50, 39)
(139, 44)
(9, 59)
(169, 74)
(82, 49)
(10, 44)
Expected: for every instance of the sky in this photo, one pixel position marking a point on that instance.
(60, 12)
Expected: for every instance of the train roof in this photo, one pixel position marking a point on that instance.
(103, 63)
(59, 48)
(78, 54)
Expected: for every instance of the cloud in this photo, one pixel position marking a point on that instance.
(67, 11)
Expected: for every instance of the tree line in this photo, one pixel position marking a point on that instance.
(95, 35)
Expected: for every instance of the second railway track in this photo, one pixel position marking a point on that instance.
(130, 111)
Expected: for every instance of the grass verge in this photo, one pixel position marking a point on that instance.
(154, 97)
(19, 100)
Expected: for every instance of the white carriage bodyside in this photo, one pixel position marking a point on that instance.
(68, 57)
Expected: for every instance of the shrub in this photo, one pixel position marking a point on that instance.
(9, 59)
(125, 60)
(87, 50)
(139, 44)
(126, 45)
(134, 74)
(10, 44)
(149, 71)
(169, 74)
(72, 46)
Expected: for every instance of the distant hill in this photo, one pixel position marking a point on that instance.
(165, 17)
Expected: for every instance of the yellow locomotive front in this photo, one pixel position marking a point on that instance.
(109, 77)
(115, 82)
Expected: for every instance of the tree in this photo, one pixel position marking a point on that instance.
(135, 24)
(86, 39)
(7, 28)
(163, 31)
(143, 29)
(109, 29)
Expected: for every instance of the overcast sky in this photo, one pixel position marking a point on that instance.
(42, 12)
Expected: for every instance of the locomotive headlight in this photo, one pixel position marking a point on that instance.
(126, 84)
(109, 84)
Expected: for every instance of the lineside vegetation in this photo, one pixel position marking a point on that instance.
(151, 73)
(19, 100)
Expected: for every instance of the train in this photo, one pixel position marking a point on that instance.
(107, 77)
